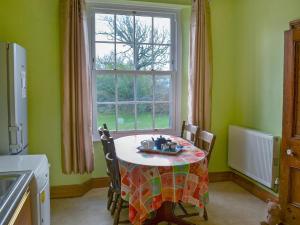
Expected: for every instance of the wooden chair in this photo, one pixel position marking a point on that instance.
(113, 167)
(190, 133)
(207, 141)
(104, 136)
(189, 129)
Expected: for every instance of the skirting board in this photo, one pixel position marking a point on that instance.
(78, 190)
(253, 188)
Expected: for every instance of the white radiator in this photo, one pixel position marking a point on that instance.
(254, 154)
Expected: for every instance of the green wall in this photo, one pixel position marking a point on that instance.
(247, 82)
(34, 24)
(223, 89)
(258, 61)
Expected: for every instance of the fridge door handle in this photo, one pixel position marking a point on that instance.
(21, 134)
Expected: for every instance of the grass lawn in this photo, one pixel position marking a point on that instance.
(126, 121)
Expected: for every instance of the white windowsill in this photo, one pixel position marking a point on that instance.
(115, 135)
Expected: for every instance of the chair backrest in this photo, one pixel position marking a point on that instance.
(113, 165)
(106, 130)
(104, 139)
(104, 136)
(208, 140)
(189, 132)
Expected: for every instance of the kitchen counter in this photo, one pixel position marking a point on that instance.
(12, 187)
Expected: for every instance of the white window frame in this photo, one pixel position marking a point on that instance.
(176, 49)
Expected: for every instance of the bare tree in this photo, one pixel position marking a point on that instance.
(147, 55)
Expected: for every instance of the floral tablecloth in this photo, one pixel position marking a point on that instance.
(147, 187)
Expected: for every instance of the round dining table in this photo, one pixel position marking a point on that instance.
(153, 183)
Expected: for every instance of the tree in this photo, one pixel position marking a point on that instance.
(146, 54)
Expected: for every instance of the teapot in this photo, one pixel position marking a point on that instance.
(160, 141)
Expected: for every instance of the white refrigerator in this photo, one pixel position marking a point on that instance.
(13, 100)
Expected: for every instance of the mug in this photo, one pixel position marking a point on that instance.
(147, 144)
(172, 145)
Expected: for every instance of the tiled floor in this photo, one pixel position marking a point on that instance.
(229, 205)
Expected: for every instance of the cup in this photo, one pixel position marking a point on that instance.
(172, 145)
(147, 144)
(164, 147)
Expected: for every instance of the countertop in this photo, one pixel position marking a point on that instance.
(14, 195)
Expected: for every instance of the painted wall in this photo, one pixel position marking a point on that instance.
(34, 24)
(258, 64)
(248, 66)
(222, 16)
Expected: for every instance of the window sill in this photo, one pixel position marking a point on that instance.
(120, 134)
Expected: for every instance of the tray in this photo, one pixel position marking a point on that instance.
(162, 152)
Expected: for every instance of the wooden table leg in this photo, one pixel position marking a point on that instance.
(165, 213)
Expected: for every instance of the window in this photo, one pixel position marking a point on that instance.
(134, 69)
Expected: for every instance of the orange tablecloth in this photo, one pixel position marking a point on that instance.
(146, 187)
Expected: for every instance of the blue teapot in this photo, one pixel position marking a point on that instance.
(160, 141)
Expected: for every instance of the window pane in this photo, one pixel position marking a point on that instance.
(124, 29)
(144, 57)
(143, 29)
(161, 57)
(162, 30)
(162, 87)
(128, 41)
(162, 115)
(144, 87)
(125, 88)
(105, 85)
(144, 116)
(124, 57)
(104, 27)
(126, 117)
(107, 114)
(105, 56)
